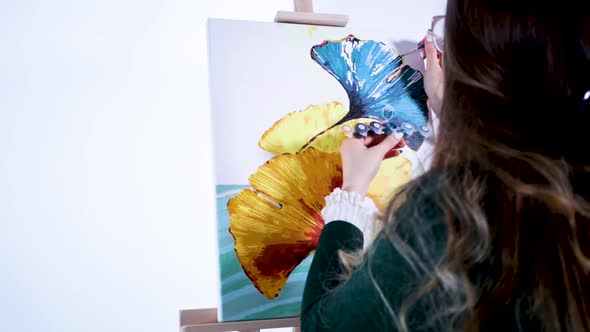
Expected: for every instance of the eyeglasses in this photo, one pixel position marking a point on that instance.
(438, 32)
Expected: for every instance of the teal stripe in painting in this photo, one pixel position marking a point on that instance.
(251, 298)
(298, 277)
(237, 277)
(240, 299)
(237, 281)
(234, 286)
(268, 306)
(276, 311)
(230, 265)
(226, 249)
(233, 278)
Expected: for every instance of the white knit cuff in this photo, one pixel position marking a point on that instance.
(351, 207)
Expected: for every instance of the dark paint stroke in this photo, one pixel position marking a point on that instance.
(277, 259)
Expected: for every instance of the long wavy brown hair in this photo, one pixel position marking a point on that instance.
(512, 169)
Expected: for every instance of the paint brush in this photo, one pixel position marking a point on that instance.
(419, 47)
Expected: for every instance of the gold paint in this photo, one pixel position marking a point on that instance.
(299, 183)
(291, 132)
(277, 224)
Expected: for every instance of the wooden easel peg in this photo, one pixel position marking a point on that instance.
(304, 14)
(205, 320)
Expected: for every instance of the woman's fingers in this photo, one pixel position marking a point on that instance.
(396, 151)
(384, 145)
(431, 53)
(392, 153)
(387, 144)
(370, 140)
(349, 146)
(361, 163)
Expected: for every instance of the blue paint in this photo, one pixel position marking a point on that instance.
(379, 85)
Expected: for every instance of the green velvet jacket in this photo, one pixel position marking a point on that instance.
(332, 304)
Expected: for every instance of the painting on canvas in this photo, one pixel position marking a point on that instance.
(283, 98)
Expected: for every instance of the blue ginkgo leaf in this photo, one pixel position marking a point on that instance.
(379, 85)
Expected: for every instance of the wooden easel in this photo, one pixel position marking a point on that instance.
(205, 320)
(304, 14)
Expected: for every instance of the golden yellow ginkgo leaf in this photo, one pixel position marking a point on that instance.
(278, 223)
(293, 131)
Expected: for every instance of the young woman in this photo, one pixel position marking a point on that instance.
(496, 235)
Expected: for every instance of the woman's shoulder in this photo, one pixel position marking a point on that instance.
(416, 215)
(422, 198)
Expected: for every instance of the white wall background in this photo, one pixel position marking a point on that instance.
(106, 188)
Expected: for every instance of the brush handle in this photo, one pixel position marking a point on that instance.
(412, 50)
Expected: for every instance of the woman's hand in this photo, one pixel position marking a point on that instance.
(361, 159)
(434, 75)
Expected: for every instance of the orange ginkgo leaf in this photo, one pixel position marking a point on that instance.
(278, 223)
